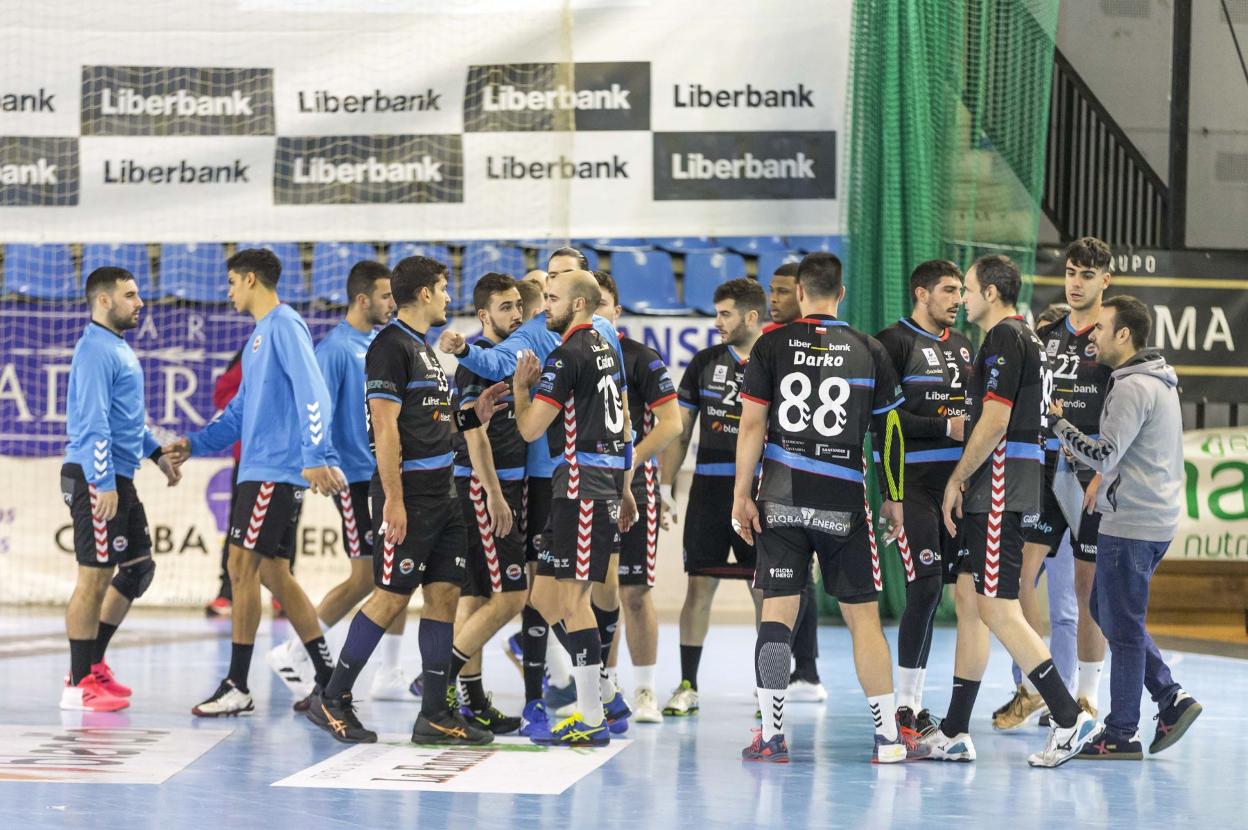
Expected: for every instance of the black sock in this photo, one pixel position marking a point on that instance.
(533, 633)
(690, 657)
(561, 634)
(958, 718)
(322, 662)
(772, 656)
(435, 657)
(458, 661)
(107, 630)
(474, 692)
(240, 664)
(80, 654)
(608, 622)
(914, 632)
(1063, 709)
(362, 638)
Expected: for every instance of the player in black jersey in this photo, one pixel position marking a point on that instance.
(933, 361)
(996, 484)
(591, 503)
(812, 391)
(418, 528)
(710, 393)
(1080, 382)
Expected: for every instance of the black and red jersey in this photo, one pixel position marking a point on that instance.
(583, 377)
(507, 448)
(826, 384)
(1076, 378)
(1009, 368)
(711, 388)
(649, 386)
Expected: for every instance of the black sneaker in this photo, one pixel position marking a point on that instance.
(926, 722)
(490, 719)
(303, 704)
(1174, 720)
(449, 728)
(338, 718)
(1104, 747)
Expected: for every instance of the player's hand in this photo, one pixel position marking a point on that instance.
(528, 370)
(394, 522)
(451, 342)
(1089, 495)
(1056, 408)
(891, 512)
(501, 519)
(324, 481)
(490, 402)
(104, 505)
(172, 471)
(951, 505)
(628, 512)
(177, 451)
(667, 507)
(957, 428)
(745, 519)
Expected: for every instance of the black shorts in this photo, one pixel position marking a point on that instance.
(848, 556)
(98, 543)
(432, 550)
(583, 535)
(925, 546)
(639, 547)
(1051, 526)
(493, 564)
(357, 522)
(536, 514)
(265, 516)
(709, 535)
(994, 562)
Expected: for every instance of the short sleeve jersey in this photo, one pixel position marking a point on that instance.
(824, 383)
(1075, 378)
(1009, 368)
(582, 378)
(649, 384)
(507, 447)
(400, 366)
(711, 388)
(934, 370)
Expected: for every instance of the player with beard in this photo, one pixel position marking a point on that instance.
(108, 437)
(709, 392)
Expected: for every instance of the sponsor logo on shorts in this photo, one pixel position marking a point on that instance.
(406, 566)
(927, 556)
(362, 169)
(176, 100)
(836, 523)
(1033, 520)
(120, 543)
(514, 572)
(751, 165)
(780, 573)
(544, 97)
(460, 562)
(38, 172)
(68, 497)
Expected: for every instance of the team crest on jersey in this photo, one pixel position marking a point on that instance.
(721, 374)
(255, 345)
(932, 358)
(966, 354)
(1051, 348)
(1089, 350)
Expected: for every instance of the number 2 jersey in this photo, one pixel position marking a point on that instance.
(1077, 380)
(826, 385)
(582, 378)
(711, 387)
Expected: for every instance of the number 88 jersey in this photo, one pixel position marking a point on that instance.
(825, 384)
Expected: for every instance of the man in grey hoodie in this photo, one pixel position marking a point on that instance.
(1140, 456)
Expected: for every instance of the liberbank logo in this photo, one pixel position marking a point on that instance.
(366, 169)
(176, 100)
(38, 172)
(537, 97)
(774, 165)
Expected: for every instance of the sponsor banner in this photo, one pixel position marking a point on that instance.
(359, 169)
(509, 765)
(1214, 523)
(176, 100)
(742, 165)
(38, 171)
(525, 97)
(101, 754)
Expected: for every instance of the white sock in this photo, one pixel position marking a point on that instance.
(588, 699)
(1029, 686)
(643, 676)
(558, 663)
(918, 690)
(771, 702)
(907, 687)
(884, 713)
(606, 684)
(391, 648)
(1089, 682)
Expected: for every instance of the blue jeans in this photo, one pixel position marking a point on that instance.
(1063, 613)
(1119, 603)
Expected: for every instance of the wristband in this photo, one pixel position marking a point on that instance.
(156, 454)
(628, 455)
(467, 419)
(464, 353)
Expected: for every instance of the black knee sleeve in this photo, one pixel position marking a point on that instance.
(914, 634)
(132, 580)
(772, 656)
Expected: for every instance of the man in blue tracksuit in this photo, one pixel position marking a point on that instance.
(282, 414)
(108, 438)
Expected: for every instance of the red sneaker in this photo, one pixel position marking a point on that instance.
(104, 676)
(219, 607)
(90, 696)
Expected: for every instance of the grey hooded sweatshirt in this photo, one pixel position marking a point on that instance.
(1139, 453)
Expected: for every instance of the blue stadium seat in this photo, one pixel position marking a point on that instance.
(194, 272)
(770, 261)
(434, 250)
(132, 257)
(292, 287)
(479, 259)
(611, 244)
(753, 245)
(543, 256)
(646, 282)
(43, 272)
(809, 244)
(704, 272)
(331, 262)
(686, 244)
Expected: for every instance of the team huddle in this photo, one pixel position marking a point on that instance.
(536, 480)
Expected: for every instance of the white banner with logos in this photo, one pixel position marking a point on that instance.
(708, 117)
(1214, 523)
(100, 754)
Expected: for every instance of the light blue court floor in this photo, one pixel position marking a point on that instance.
(684, 773)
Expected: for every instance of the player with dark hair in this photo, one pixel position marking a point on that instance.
(994, 486)
(108, 438)
(709, 392)
(783, 296)
(933, 362)
(812, 392)
(417, 522)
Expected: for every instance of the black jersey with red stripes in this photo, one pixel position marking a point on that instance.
(1077, 379)
(507, 448)
(1009, 368)
(933, 370)
(649, 386)
(711, 388)
(582, 377)
(826, 384)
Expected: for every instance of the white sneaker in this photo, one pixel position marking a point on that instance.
(226, 702)
(803, 691)
(297, 674)
(944, 748)
(684, 701)
(645, 706)
(389, 683)
(1064, 744)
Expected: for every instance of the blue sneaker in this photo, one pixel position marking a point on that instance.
(514, 651)
(534, 723)
(574, 731)
(417, 686)
(775, 751)
(558, 697)
(617, 713)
